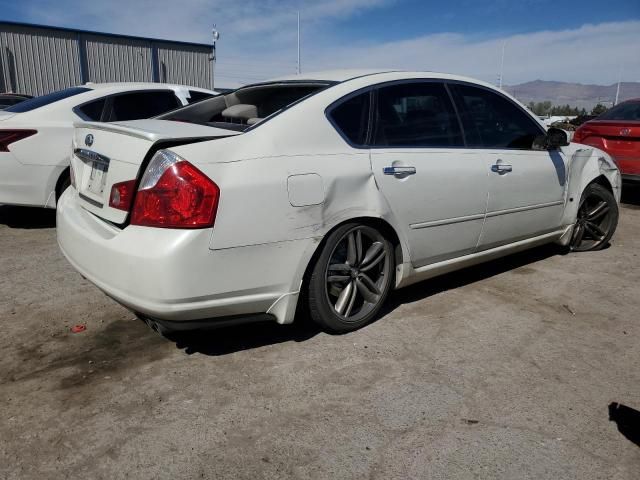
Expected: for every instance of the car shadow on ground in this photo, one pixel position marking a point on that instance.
(248, 336)
(631, 195)
(27, 217)
(627, 420)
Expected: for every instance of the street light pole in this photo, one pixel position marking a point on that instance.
(299, 67)
(216, 36)
(504, 44)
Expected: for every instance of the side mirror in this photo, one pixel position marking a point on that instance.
(554, 139)
(557, 138)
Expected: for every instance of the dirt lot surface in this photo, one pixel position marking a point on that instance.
(506, 370)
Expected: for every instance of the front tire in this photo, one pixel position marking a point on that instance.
(597, 219)
(351, 278)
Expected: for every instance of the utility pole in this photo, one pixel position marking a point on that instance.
(504, 44)
(618, 88)
(216, 36)
(299, 66)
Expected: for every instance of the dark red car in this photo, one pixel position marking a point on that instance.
(617, 132)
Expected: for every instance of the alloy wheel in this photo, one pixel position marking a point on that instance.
(594, 222)
(355, 275)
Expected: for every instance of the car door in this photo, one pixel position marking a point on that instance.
(435, 188)
(526, 186)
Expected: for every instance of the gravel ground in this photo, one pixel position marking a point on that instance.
(505, 370)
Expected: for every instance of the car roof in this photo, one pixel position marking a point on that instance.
(140, 85)
(346, 75)
(329, 75)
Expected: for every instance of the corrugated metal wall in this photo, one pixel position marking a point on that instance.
(34, 63)
(37, 60)
(117, 59)
(190, 66)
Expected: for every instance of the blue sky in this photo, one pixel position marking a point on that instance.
(585, 41)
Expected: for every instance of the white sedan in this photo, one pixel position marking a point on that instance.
(329, 189)
(35, 135)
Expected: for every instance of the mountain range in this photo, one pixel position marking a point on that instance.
(573, 94)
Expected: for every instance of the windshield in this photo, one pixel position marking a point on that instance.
(247, 106)
(624, 111)
(43, 100)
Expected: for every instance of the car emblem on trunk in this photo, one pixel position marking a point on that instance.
(88, 140)
(625, 132)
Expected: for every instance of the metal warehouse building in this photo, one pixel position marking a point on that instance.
(36, 59)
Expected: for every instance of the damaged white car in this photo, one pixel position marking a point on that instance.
(326, 191)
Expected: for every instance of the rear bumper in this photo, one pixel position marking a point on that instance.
(29, 185)
(172, 275)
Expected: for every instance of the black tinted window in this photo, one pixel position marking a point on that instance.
(195, 96)
(137, 105)
(7, 101)
(493, 121)
(624, 111)
(43, 100)
(351, 118)
(93, 110)
(416, 115)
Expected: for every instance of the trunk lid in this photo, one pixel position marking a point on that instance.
(625, 130)
(106, 154)
(5, 115)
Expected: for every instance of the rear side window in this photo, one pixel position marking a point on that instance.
(351, 118)
(93, 110)
(138, 105)
(416, 114)
(196, 96)
(493, 121)
(8, 101)
(625, 111)
(43, 100)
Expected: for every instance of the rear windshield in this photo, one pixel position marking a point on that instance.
(248, 106)
(624, 111)
(43, 100)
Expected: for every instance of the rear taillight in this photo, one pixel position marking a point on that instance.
(174, 194)
(579, 135)
(7, 137)
(122, 195)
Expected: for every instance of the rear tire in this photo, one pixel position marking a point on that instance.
(596, 221)
(351, 278)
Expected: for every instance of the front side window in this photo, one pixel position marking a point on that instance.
(351, 118)
(493, 121)
(416, 114)
(43, 100)
(138, 105)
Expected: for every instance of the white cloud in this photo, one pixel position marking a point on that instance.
(589, 54)
(259, 40)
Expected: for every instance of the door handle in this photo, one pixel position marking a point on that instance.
(399, 171)
(501, 168)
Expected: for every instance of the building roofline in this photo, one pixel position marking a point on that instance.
(105, 34)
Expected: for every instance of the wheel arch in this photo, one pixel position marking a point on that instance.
(589, 165)
(604, 181)
(377, 222)
(66, 173)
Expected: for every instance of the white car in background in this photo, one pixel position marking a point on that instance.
(35, 135)
(330, 189)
